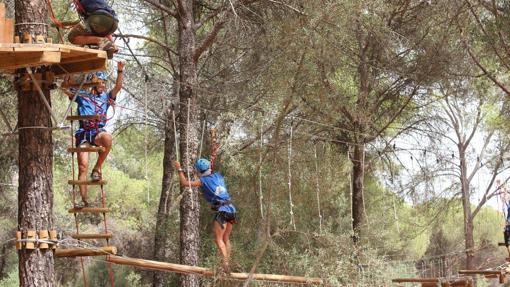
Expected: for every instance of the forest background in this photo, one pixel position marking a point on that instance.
(360, 140)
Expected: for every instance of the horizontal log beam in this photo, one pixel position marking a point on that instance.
(178, 268)
(415, 280)
(74, 252)
(84, 118)
(480, 272)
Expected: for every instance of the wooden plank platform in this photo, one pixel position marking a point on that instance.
(73, 252)
(86, 149)
(62, 58)
(84, 236)
(86, 182)
(84, 118)
(178, 268)
(89, 210)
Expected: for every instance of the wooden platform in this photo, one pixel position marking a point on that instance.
(89, 210)
(178, 268)
(62, 58)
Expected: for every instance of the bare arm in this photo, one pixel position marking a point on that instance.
(118, 83)
(182, 179)
(214, 148)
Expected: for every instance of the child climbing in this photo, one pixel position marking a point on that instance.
(99, 23)
(92, 132)
(215, 193)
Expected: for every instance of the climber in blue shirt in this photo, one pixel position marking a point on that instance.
(215, 193)
(92, 132)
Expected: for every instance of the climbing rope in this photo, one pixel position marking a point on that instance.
(291, 204)
(261, 195)
(317, 185)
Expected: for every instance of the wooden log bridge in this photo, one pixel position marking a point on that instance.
(500, 274)
(178, 268)
(435, 282)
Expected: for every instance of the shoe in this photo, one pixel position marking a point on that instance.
(108, 46)
(82, 204)
(96, 175)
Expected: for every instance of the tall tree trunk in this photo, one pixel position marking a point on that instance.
(189, 137)
(358, 176)
(466, 206)
(35, 194)
(161, 236)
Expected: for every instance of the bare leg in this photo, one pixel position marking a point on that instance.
(87, 40)
(226, 239)
(103, 139)
(83, 163)
(218, 239)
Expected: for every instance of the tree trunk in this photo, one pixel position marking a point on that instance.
(358, 176)
(466, 206)
(35, 194)
(162, 236)
(189, 138)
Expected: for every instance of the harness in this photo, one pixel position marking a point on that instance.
(219, 203)
(98, 107)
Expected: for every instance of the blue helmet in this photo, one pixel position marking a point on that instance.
(100, 75)
(202, 165)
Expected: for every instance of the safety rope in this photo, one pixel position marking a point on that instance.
(73, 198)
(317, 185)
(261, 195)
(292, 221)
(188, 154)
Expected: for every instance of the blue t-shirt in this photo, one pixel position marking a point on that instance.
(90, 104)
(215, 191)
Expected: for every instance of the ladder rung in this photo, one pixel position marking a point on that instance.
(86, 149)
(89, 210)
(92, 236)
(84, 118)
(86, 182)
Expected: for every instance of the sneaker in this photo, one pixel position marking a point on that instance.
(81, 204)
(108, 46)
(96, 175)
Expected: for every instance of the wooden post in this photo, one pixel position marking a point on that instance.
(178, 268)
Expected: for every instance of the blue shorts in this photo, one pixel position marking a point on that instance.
(83, 136)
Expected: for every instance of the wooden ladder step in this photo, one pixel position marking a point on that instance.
(84, 118)
(89, 210)
(86, 149)
(73, 252)
(92, 236)
(86, 182)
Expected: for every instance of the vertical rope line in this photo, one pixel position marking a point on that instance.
(188, 154)
(175, 136)
(73, 198)
(292, 222)
(350, 188)
(202, 137)
(363, 189)
(146, 141)
(261, 195)
(317, 186)
(395, 214)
